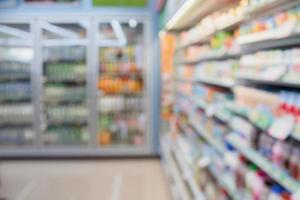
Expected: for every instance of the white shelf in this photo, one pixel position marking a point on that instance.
(270, 7)
(219, 147)
(190, 12)
(278, 174)
(174, 171)
(220, 83)
(262, 82)
(188, 174)
(228, 183)
(199, 102)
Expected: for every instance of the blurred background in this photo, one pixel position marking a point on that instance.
(150, 99)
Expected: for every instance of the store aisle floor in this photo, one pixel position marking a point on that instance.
(83, 180)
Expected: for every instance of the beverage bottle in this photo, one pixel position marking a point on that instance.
(250, 177)
(240, 173)
(286, 196)
(260, 189)
(294, 163)
(278, 153)
(283, 107)
(276, 192)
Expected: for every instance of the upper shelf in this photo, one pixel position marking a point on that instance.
(266, 9)
(271, 7)
(192, 11)
(269, 83)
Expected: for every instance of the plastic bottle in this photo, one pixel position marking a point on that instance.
(276, 192)
(278, 153)
(265, 146)
(286, 196)
(260, 189)
(294, 163)
(251, 177)
(240, 173)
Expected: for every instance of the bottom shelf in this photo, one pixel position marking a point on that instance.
(175, 176)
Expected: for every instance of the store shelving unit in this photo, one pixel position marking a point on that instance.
(267, 83)
(64, 66)
(272, 170)
(204, 134)
(208, 116)
(228, 84)
(176, 178)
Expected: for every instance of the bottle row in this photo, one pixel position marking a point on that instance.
(120, 103)
(269, 65)
(124, 128)
(281, 20)
(16, 114)
(59, 93)
(67, 114)
(15, 91)
(65, 135)
(113, 85)
(14, 71)
(218, 39)
(65, 72)
(9, 135)
(281, 149)
(236, 176)
(248, 181)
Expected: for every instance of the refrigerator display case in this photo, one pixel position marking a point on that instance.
(16, 106)
(64, 119)
(121, 84)
(80, 88)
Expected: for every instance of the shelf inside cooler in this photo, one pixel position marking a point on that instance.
(12, 136)
(65, 135)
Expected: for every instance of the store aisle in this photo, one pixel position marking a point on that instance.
(84, 180)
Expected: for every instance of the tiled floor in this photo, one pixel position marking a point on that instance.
(83, 180)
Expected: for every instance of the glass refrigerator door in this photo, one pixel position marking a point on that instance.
(121, 84)
(64, 89)
(16, 108)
